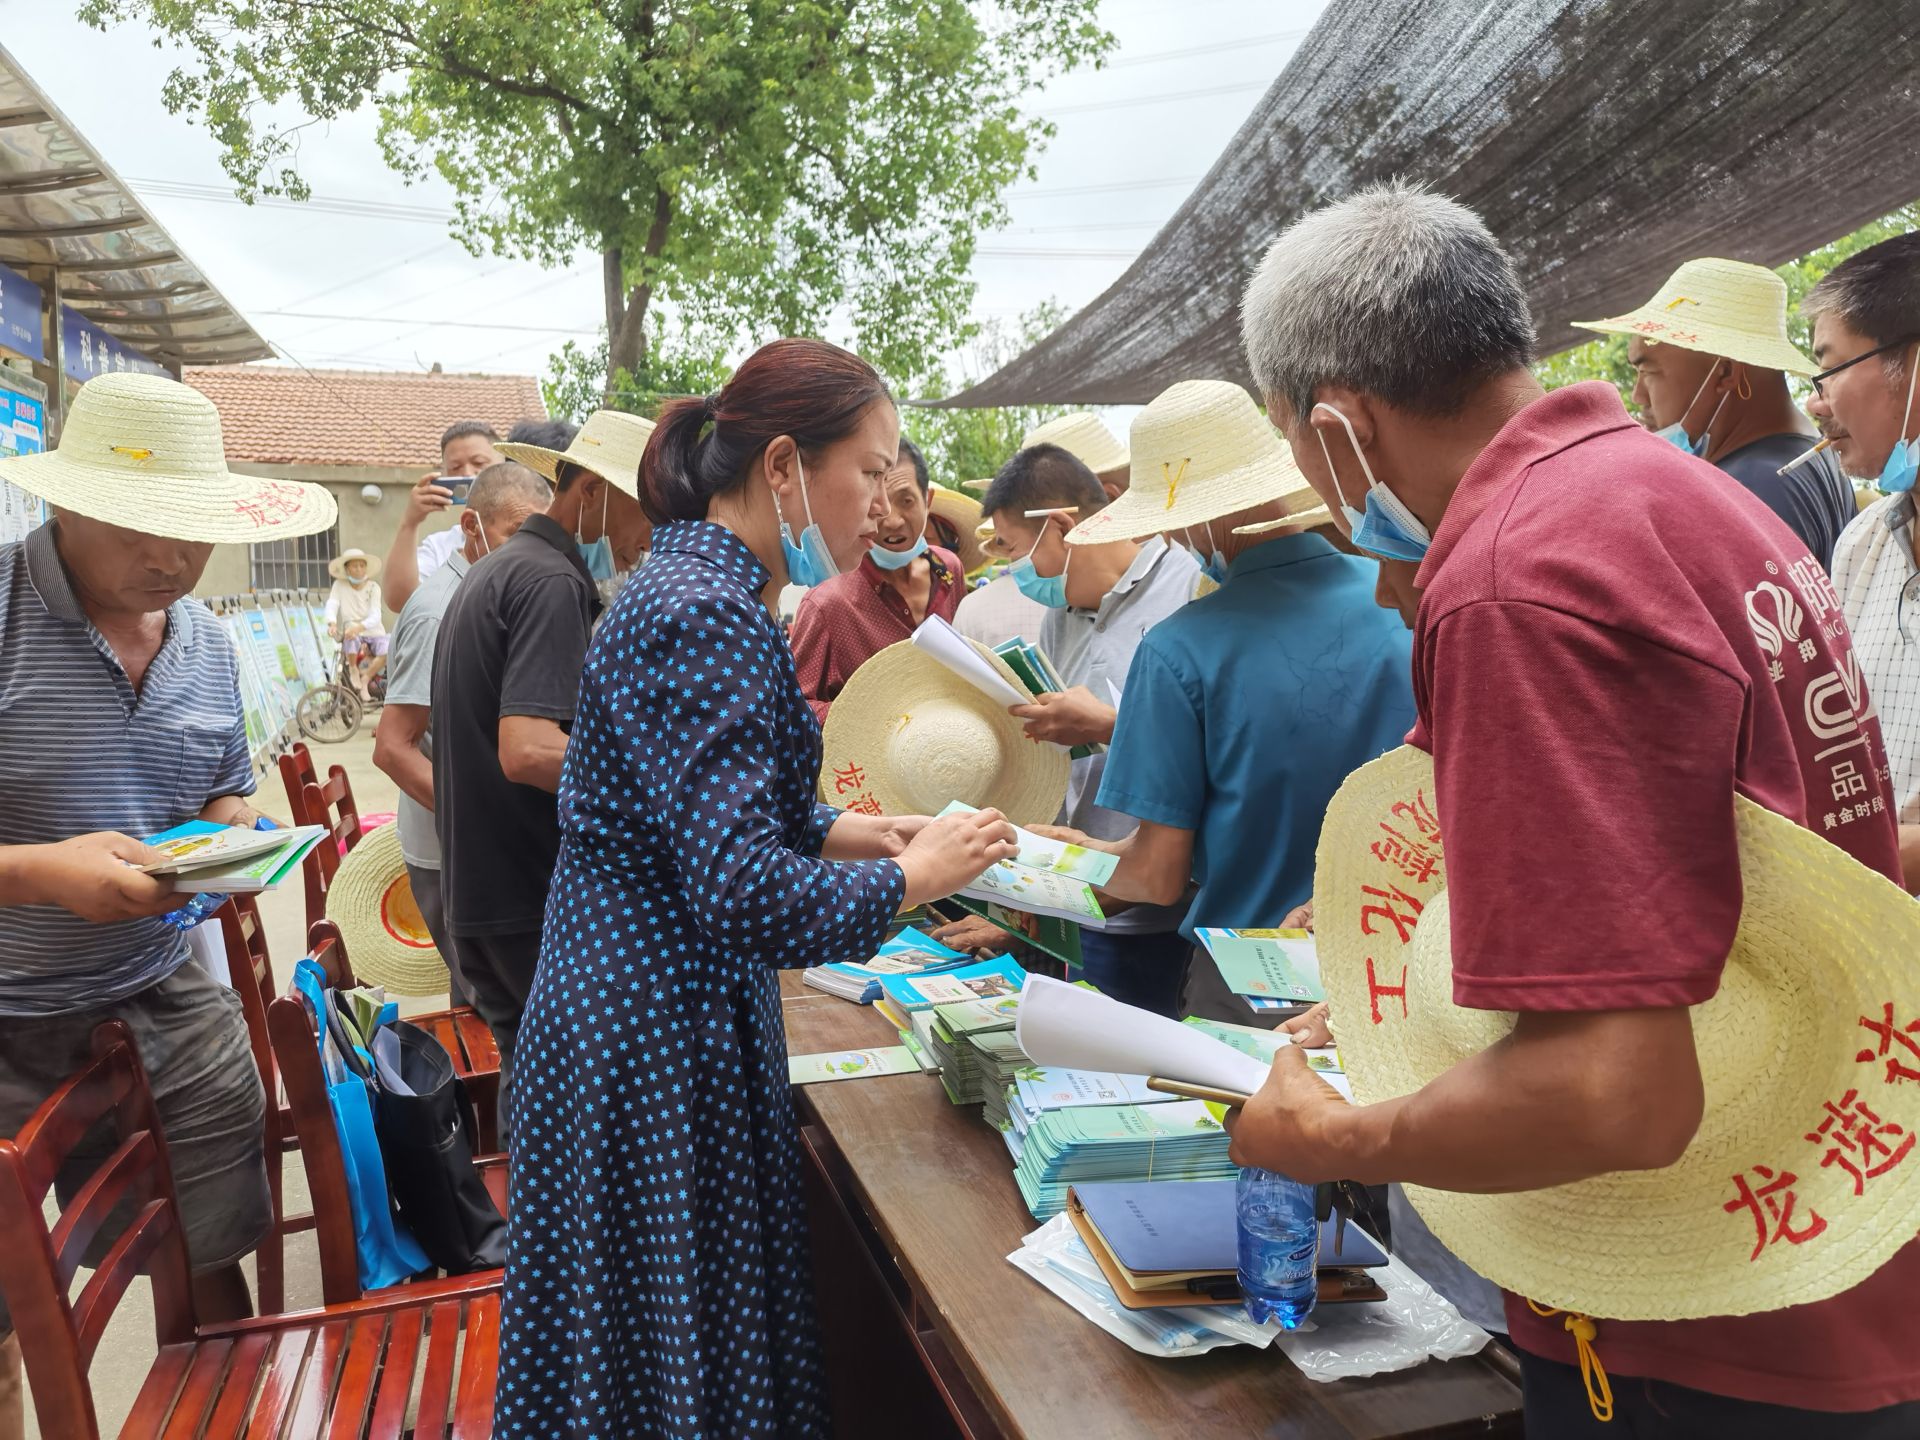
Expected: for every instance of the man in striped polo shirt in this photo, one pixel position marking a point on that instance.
(120, 717)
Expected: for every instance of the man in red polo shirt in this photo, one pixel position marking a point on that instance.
(898, 583)
(1611, 643)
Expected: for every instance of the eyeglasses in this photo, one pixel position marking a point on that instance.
(1820, 380)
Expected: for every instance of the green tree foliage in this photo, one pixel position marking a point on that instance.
(974, 444)
(761, 165)
(1605, 358)
(577, 382)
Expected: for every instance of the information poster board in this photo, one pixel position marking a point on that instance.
(259, 731)
(308, 653)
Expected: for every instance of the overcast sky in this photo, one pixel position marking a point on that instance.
(331, 288)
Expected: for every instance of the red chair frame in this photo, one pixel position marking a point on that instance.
(339, 1371)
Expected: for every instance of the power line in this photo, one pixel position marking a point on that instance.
(1218, 48)
(1132, 102)
(434, 324)
(1117, 185)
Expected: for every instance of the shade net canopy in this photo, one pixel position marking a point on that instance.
(1603, 141)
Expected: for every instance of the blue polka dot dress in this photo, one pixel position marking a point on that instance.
(659, 1278)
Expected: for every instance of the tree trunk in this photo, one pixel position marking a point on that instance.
(627, 309)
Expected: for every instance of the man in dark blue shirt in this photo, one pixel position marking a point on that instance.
(1710, 356)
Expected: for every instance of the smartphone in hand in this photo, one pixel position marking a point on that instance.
(458, 484)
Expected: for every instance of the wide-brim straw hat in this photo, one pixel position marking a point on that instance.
(145, 453)
(337, 567)
(1718, 307)
(1083, 435)
(610, 444)
(910, 736)
(962, 512)
(372, 902)
(1202, 451)
(1798, 1088)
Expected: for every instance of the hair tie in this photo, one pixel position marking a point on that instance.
(710, 405)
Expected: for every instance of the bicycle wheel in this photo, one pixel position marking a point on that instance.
(329, 714)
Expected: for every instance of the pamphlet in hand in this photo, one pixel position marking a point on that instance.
(1058, 857)
(1049, 878)
(215, 869)
(1036, 672)
(1279, 965)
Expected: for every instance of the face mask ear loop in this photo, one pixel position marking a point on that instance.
(1682, 422)
(1913, 374)
(801, 470)
(1353, 440)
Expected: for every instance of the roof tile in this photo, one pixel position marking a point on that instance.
(272, 415)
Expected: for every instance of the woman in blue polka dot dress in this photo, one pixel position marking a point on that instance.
(659, 1278)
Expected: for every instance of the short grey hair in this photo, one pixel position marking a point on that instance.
(507, 483)
(1877, 293)
(1394, 291)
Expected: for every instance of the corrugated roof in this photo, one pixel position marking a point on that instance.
(1603, 141)
(61, 204)
(272, 415)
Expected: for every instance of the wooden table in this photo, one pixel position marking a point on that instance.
(931, 1332)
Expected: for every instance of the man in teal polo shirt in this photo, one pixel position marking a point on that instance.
(1245, 709)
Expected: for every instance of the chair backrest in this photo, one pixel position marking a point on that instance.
(37, 1264)
(297, 771)
(326, 946)
(251, 973)
(296, 1049)
(335, 808)
(330, 805)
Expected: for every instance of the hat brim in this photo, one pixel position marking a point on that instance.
(546, 463)
(1305, 520)
(222, 509)
(1823, 944)
(337, 567)
(962, 512)
(1138, 514)
(1029, 788)
(1763, 352)
(372, 902)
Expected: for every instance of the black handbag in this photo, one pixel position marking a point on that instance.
(427, 1141)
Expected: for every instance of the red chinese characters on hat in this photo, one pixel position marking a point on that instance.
(1409, 847)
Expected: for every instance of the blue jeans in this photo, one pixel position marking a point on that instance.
(1142, 970)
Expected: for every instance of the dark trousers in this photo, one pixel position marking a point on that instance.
(1208, 997)
(1142, 970)
(425, 885)
(1556, 1404)
(498, 970)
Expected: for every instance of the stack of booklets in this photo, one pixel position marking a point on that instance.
(911, 952)
(1269, 969)
(1177, 1141)
(909, 1001)
(203, 858)
(964, 1040)
(1040, 1089)
(1036, 673)
(1046, 877)
(1179, 1245)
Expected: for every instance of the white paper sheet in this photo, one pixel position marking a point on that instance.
(1064, 1025)
(952, 649)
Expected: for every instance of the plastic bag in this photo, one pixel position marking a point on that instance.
(1415, 1323)
(1055, 1257)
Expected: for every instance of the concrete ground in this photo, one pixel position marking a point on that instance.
(127, 1349)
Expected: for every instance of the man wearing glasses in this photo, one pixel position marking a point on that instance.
(1866, 333)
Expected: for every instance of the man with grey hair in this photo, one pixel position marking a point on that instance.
(1867, 309)
(1584, 666)
(502, 497)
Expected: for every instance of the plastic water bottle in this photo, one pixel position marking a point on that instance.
(1279, 1243)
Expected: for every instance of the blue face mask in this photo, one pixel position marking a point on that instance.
(1903, 461)
(1047, 590)
(809, 562)
(1213, 564)
(1676, 433)
(596, 555)
(1386, 527)
(897, 559)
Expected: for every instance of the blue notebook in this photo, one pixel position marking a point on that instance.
(1190, 1226)
(987, 980)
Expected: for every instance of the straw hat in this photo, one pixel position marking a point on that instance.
(976, 488)
(1798, 1089)
(913, 737)
(610, 444)
(1083, 435)
(1718, 307)
(962, 512)
(1201, 451)
(145, 452)
(337, 567)
(372, 903)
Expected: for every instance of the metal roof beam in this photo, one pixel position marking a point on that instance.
(46, 182)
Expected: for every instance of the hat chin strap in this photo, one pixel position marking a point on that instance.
(1592, 1373)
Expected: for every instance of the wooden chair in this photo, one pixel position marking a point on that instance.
(251, 972)
(331, 805)
(460, 1031)
(346, 1370)
(296, 1048)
